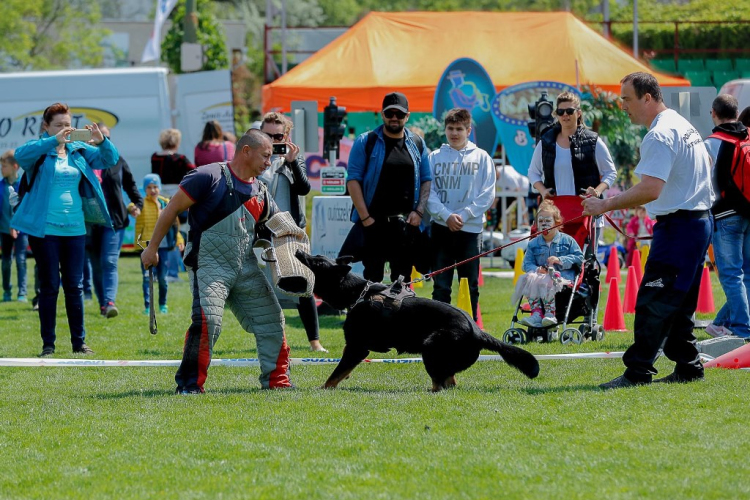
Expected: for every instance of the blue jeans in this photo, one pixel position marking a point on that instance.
(161, 273)
(105, 253)
(86, 273)
(732, 253)
(9, 245)
(56, 257)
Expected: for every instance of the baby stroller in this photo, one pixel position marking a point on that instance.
(580, 299)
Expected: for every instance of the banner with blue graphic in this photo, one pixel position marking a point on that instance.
(465, 84)
(511, 115)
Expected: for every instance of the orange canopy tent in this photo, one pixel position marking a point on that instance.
(408, 51)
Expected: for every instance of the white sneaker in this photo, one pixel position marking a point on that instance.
(534, 320)
(718, 331)
(549, 320)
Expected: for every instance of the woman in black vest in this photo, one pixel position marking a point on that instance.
(569, 158)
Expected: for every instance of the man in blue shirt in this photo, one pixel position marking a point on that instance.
(389, 181)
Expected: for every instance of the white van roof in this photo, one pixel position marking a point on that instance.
(739, 89)
(84, 72)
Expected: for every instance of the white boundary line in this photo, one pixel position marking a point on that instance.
(51, 362)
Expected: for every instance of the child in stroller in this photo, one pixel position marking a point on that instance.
(550, 263)
(576, 290)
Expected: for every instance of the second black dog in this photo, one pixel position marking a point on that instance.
(446, 337)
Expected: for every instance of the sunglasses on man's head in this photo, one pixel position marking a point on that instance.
(390, 113)
(275, 137)
(561, 112)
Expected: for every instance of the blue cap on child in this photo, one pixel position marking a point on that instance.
(151, 179)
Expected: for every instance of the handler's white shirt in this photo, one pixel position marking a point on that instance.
(674, 152)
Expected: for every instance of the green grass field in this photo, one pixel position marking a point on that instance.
(121, 432)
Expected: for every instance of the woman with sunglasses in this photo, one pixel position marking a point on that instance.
(287, 183)
(570, 159)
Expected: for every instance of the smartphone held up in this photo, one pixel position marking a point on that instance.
(81, 134)
(279, 148)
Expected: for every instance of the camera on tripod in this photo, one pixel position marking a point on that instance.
(541, 116)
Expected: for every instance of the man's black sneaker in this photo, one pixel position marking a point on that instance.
(676, 378)
(618, 383)
(47, 351)
(83, 349)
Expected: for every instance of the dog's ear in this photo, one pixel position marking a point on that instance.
(342, 269)
(346, 259)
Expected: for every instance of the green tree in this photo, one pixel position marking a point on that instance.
(210, 36)
(50, 34)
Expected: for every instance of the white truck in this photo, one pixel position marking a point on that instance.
(135, 103)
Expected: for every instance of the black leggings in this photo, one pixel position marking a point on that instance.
(308, 314)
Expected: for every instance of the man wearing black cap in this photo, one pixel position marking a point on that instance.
(389, 181)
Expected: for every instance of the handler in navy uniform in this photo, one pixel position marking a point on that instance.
(675, 187)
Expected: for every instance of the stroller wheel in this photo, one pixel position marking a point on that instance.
(571, 335)
(514, 336)
(599, 329)
(585, 331)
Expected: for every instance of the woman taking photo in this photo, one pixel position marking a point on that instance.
(213, 147)
(63, 195)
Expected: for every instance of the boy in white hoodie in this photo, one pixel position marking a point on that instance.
(463, 189)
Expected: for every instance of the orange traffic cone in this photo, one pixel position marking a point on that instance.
(705, 294)
(613, 265)
(638, 268)
(739, 358)
(712, 259)
(614, 319)
(480, 323)
(481, 278)
(631, 291)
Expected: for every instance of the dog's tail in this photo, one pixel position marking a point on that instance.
(523, 361)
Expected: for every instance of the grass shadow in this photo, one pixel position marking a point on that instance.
(157, 393)
(151, 393)
(534, 391)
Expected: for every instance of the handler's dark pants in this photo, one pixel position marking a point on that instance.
(451, 247)
(389, 239)
(668, 297)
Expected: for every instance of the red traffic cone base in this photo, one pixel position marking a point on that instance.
(739, 358)
(614, 319)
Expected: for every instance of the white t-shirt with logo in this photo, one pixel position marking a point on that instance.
(673, 151)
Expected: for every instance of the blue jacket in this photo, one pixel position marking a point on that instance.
(31, 213)
(368, 173)
(563, 246)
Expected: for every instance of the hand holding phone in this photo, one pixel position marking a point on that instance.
(81, 134)
(279, 148)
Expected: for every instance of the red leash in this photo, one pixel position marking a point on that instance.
(533, 235)
(614, 225)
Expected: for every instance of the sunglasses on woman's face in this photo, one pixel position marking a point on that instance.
(275, 137)
(561, 112)
(390, 113)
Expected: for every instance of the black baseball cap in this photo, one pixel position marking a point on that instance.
(396, 100)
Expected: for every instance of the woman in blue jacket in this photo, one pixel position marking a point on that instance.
(63, 194)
